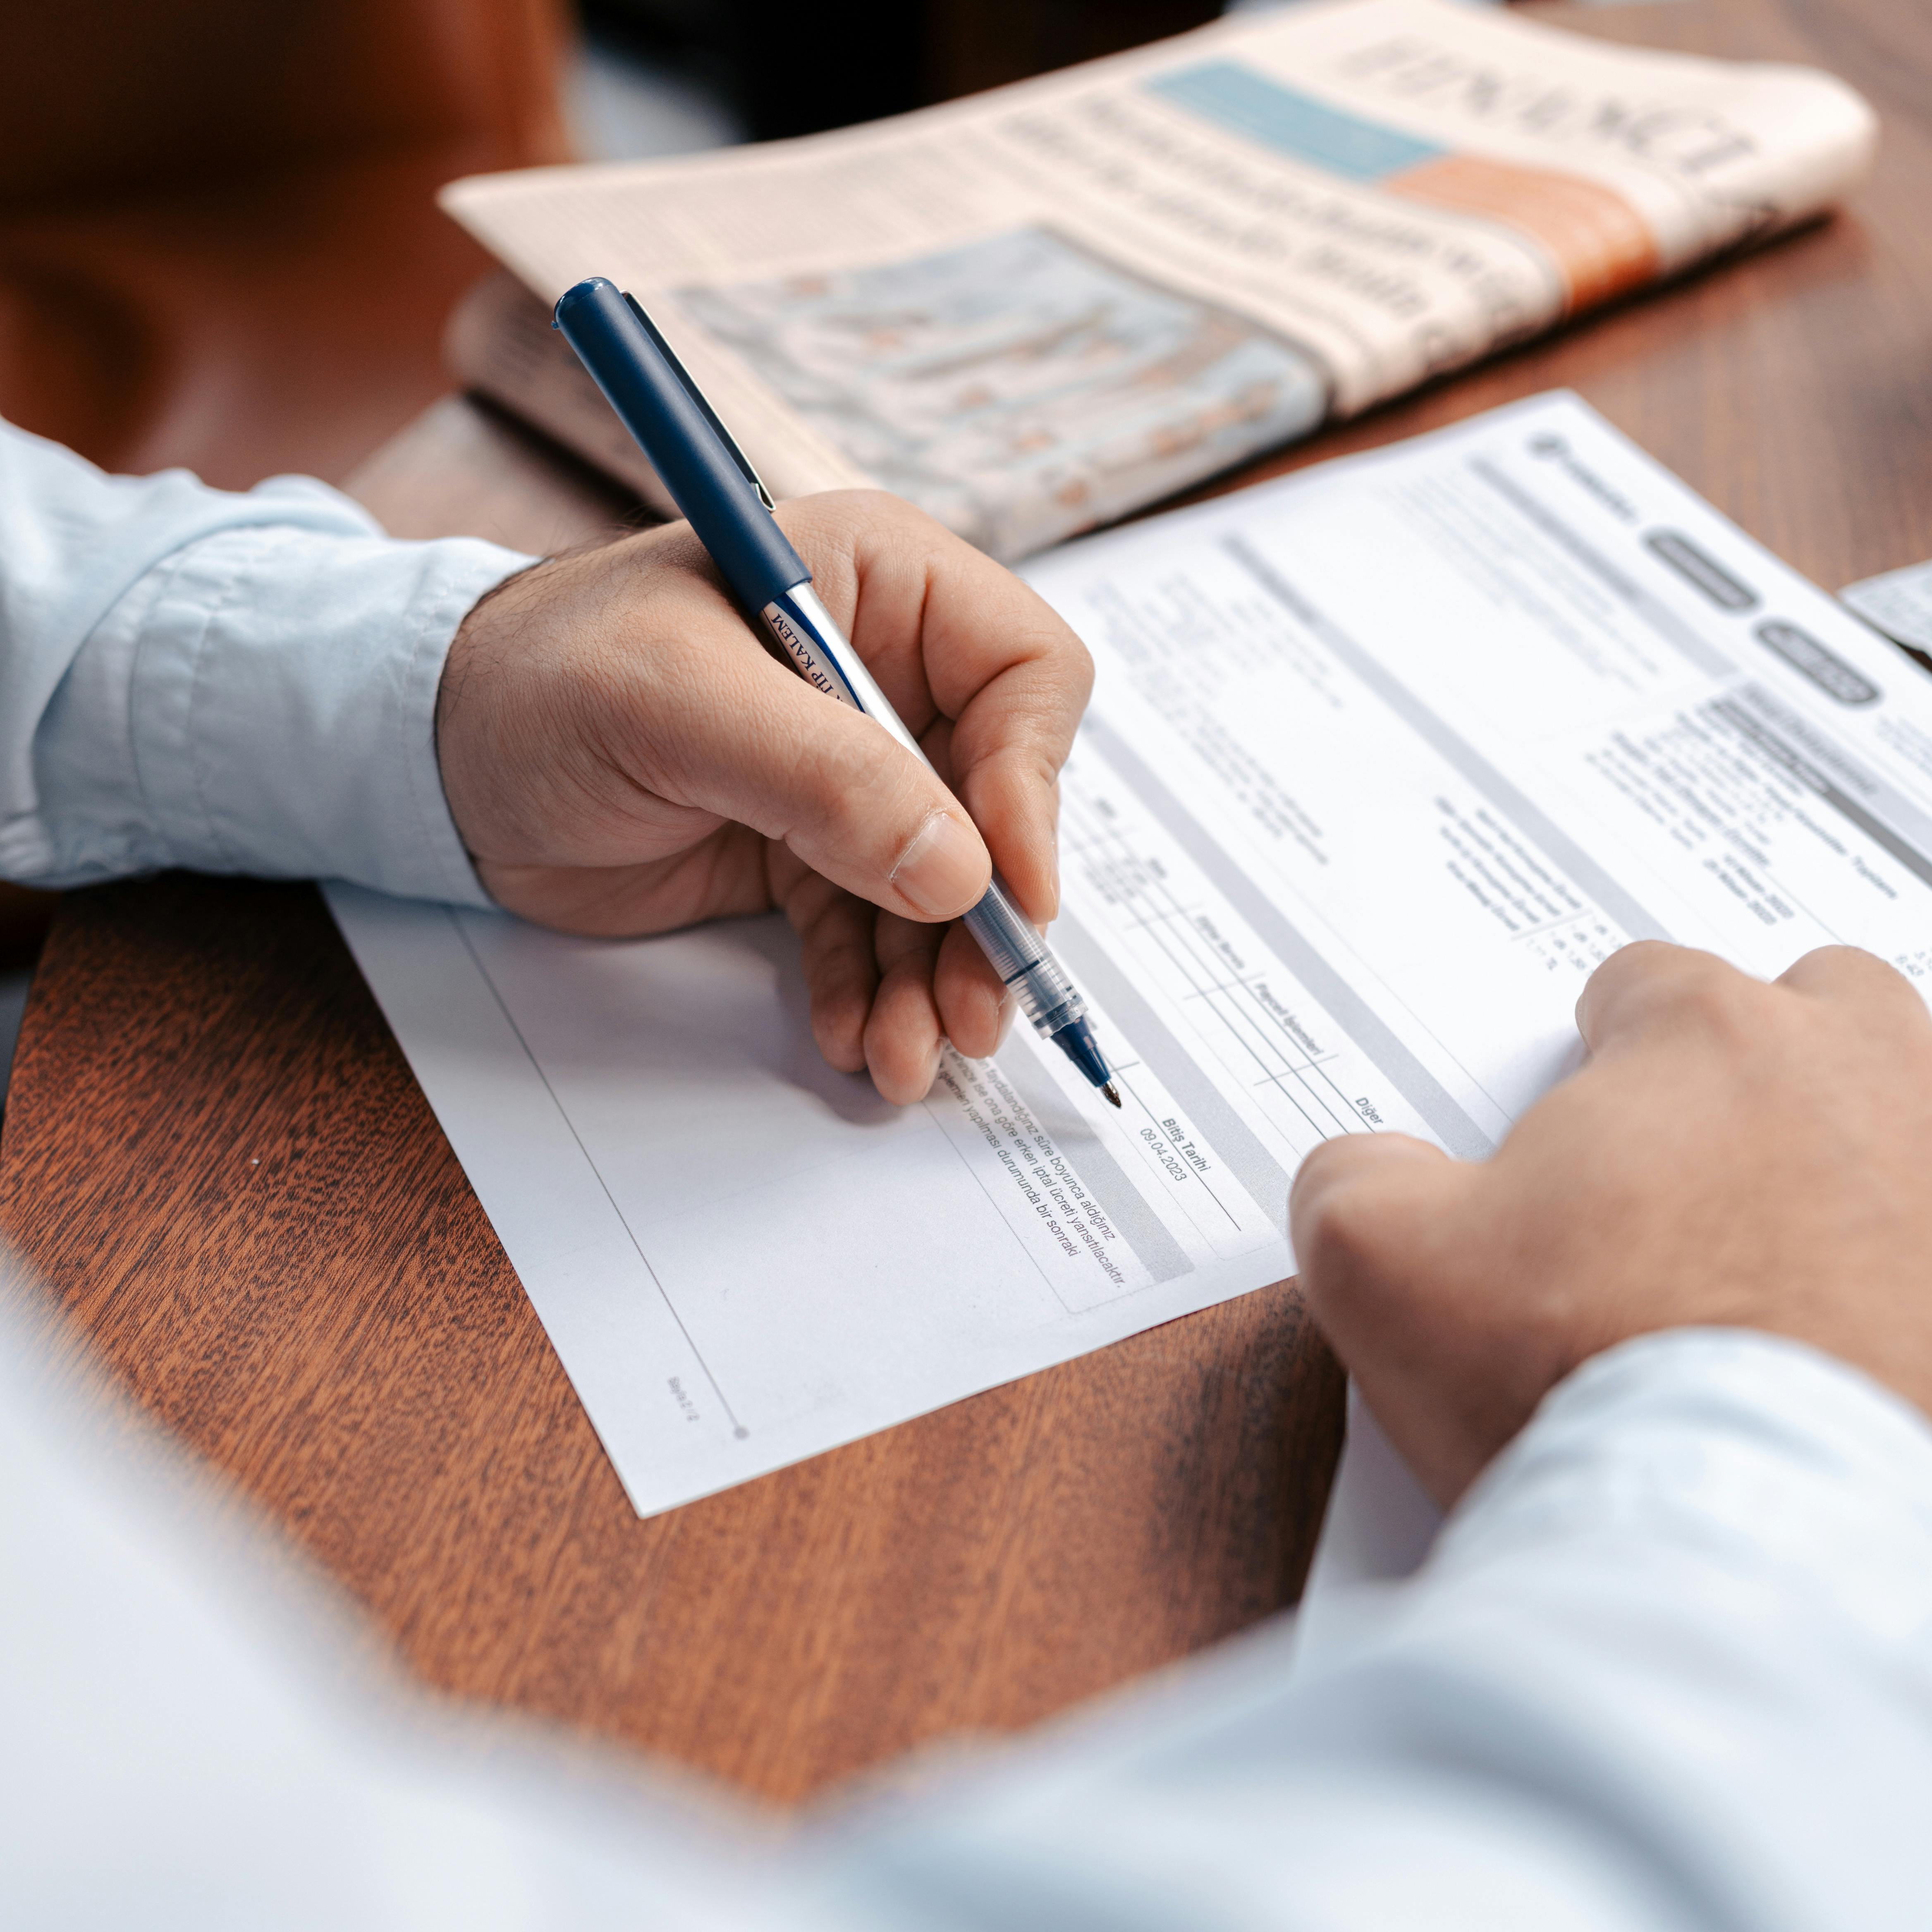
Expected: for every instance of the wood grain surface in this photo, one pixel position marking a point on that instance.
(216, 1154)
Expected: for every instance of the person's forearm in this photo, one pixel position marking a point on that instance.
(1670, 1665)
(233, 683)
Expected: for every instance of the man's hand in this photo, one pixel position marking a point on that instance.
(622, 756)
(1733, 1153)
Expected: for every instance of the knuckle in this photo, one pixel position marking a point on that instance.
(846, 762)
(1653, 982)
(864, 513)
(1849, 969)
(1642, 955)
(857, 775)
(1072, 663)
(1056, 643)
(884, 504)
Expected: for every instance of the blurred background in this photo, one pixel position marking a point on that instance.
(219, 243)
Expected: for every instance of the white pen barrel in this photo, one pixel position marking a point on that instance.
(1009, 939)
(822, 652)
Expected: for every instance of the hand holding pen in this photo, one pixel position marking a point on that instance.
(621, 757)
(730, 512)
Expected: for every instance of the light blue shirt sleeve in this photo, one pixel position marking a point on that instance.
(233, 683)
(1670, 1666)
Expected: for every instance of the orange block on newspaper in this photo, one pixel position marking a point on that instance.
(1600, 242)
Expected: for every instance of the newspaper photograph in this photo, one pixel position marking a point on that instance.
(1035, 310)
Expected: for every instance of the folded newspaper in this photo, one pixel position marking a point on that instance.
(1038, 309)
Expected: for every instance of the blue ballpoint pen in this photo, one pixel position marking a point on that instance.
(724, 502)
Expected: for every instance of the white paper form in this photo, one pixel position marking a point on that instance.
(1472, 712)
(1467, 715)
(1383, 758)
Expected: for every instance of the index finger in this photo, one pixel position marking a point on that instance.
(947, 631)
(1008, 745)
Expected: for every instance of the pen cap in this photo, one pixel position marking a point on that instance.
(718, 499)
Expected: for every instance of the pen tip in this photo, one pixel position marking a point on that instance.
(1112, 1093)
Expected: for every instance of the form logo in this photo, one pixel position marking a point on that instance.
(1554, 449)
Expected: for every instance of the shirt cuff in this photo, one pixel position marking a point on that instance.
(1749, 1450)
(279, 711)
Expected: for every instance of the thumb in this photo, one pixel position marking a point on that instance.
(1366, 1213)
(842, 793)
(1380, 1225)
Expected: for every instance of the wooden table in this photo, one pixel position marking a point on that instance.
(216, 1154)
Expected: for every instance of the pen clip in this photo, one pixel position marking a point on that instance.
(698, 397)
